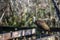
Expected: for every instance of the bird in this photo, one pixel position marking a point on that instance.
(41, 24)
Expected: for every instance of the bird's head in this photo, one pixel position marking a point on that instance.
(39, 21)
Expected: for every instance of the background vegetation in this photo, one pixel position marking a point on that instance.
(22, 13)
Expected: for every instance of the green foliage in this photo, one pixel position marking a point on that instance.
(25, 19)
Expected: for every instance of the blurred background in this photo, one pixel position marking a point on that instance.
(22, 13)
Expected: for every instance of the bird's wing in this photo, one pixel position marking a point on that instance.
(45, 26)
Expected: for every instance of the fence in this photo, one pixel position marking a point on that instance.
(17, 33)
(26, 33)
(54, 36)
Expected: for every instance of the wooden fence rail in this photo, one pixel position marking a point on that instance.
(20, 33)
(16, 32)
